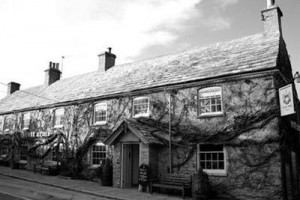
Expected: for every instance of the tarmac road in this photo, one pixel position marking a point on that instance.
(14, 189)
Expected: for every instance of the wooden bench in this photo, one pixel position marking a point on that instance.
(172, 181)
(48, 166)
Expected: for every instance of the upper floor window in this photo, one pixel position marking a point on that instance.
(58, 117)
(98, 153)
(212, 158)
(210, 101)
(141, 107)
(100, 113)
(26, 121)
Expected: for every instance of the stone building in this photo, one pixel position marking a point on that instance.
(218, 103)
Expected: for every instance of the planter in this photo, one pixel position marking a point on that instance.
(14, 165)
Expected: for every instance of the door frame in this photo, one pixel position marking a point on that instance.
(123, 160)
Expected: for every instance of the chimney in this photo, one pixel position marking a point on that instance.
(52, 74)
(106, 60)
(272, 18)
(12, 87)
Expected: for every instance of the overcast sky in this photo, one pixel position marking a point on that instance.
(34, 32)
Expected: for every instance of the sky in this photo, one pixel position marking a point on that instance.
(35, 32)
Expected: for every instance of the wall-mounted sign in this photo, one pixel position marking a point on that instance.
(286, 100)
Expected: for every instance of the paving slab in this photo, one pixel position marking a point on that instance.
(87, 187)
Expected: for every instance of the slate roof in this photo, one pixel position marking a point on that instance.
(252, 53)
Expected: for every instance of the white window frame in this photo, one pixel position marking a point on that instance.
(216, 172)
(209, 96)
(104, 107)
(92, 153)
(61, 113)
(140, 114)
(60, 151)
(26, 118)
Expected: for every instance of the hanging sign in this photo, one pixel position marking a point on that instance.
(286, 100)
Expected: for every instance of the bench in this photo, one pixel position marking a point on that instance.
(172, 181)
(49, 166)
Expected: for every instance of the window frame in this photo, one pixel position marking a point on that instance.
(208, 114)
(23, 121)
(140, 114)
(60, 152)
(61, 117)
(92, 154)
(94, 114)
(23, 147)
(215, 172)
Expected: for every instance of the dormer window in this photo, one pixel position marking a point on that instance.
(26, 121)
(58, 117)
(210, 101)
(141, 107)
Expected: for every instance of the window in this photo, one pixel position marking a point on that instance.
(100, 113)
(57, 153)
(26, 121)
(210, 101)
(212, 158)
(141, 107)
(58, 117)
(4, 148)
(98, 153)
(23, 152)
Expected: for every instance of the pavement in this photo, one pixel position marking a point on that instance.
(82, 186)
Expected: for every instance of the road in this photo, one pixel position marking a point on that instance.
(15, 189)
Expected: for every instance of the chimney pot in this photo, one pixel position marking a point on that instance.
(52, 74)
(270, 3)
(106, 60)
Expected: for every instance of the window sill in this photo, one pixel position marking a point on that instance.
(100, 123)
(58, 126)
(216, 173)
(141, 115)
(210, 115)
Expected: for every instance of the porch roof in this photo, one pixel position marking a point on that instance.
(147, 134)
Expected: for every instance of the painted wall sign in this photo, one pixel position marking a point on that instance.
(286, 100)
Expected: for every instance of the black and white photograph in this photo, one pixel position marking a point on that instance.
(149, 99)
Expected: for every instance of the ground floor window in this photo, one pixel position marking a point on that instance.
(98, 153)
(23, 152)
(57, 153)
(212, 158)
(4, 148)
